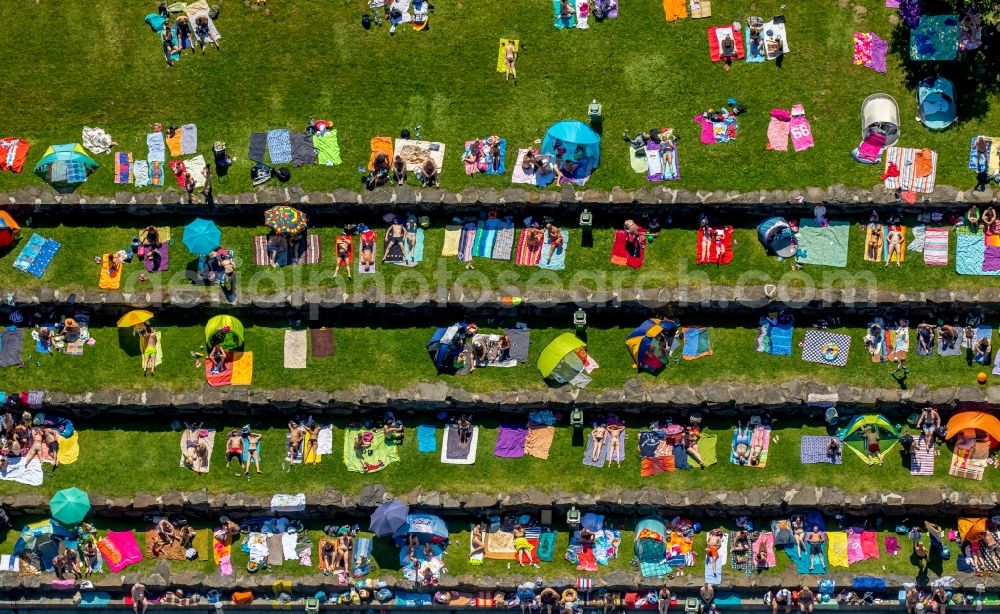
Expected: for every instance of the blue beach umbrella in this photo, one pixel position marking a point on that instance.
(201, 236)
(388, 517)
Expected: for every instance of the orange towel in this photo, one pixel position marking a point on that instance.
(675, 9)
(107, 280)
(242, 369)
(923, 163)
(319, 551)
(380, 144)
(174, 143)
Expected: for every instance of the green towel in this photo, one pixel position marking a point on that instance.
(375, 458)
(546, 545)
(327, 148)
(707, 445)
(825, 246)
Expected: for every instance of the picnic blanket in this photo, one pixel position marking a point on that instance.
(426, 439)
(813, 450)
(623, 256)
(322, 342)
(17, 471)
(510, 441)
(561, 22)
(538, 440)
(191, 439)
(716, 34)
(696, 342)
(921, 458)
(837, 548)
(917, 169)
(12, 347)
(603, 458)
(970, 463)
(554, 260)
(313, 252)
(713, 568)
(713, 257)
(870, 51)
(279, 146)
(936, 246)
(376, 457)
(525, 255)
(296, 347)
(119, 549)
(826, 348)
(452, 450)
(327, 148)
(36, 255)
(823, 245)
(935, 38)
(973, 255)
(661, 162)
(415, 153)
(775, 37)
(157, 147)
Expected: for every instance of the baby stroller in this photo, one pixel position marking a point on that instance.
(222, 159)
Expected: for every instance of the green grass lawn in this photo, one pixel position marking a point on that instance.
(670, 263)
(395, 358)
(280, 70)
(101, 468)
(386, 556)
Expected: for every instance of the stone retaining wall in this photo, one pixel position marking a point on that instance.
(838, 199)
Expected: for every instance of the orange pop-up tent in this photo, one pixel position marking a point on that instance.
(9, 230)
(978, 420)
(969, 529)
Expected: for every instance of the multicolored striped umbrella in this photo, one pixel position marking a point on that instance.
(285, 220)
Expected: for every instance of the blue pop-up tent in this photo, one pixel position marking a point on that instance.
(777, 237)
(574, 139)
(936, 102)
(65, 166)
(445, 344)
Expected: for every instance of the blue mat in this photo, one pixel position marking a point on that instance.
(484, 243)
(560, 22)
(970, 252)
(502, 166)
(94, 599)
(279, 146)
(935, 38)
(426, 438)
(36, 255)
(417, 255)
(753, 58)
(558, 261)
(802, 562)
(781, 339)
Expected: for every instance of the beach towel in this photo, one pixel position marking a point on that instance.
(503, 244)
(452, 450)
(257, 146)
(661, 162)
(416, 153)
(525, 255)
(174, 143)
(322, 342)
(17, 471)
(36, 255)
(498, 166)
(700, 9)
(538, 441)
(713, 569)
(921, 458)
(224, 377)
(713, 257)
(775, 38)
(189, 140)
(478, 164)
(802, 561)
(13, 153)
(774, 338)
(764, 542)
(602, 458)
(519, 175)
(869, 151)
(970, 463)
(140, 173)
(242, 371)
(970, 255)
(452, 237)
(826, 348)
(561, 22)
(376, 457)
(917, 169)
(554, 260)
(870, 51)
(279, 146)
(800, 129)
(327, 148)
(12, 347)
(936, 246)
(109, 280)
(510, 441)
(637, 159)
(825, 246)
(696, 342)
(716, 34)
(158, 262)
(303, 150)
(157, 147)
(502, 55)
(467, 241)
(426, 439)
(119, 549)
(777, 130)
(623, 256)
(837, 548)
(756, 54)
(190, 439)
(295, 349)
(369, 237)
(123, 167)
(486, 235)
(814, 450)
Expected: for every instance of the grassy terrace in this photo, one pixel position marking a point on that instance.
(101, 468)
(645, 71)
(395, 358)
(670, 262)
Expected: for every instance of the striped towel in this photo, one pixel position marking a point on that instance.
(921, 458)
(936, 246)
(904, 159)
(466, 242)
(970, 463)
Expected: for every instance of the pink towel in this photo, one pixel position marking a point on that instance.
(707, 131)
(871, 147)
(891, 545)
(880, 49)
(854, 551)
(869, 545)
(777, 130)
(802, 137)
(765, 541)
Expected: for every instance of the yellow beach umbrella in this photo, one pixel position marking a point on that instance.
(135, 318)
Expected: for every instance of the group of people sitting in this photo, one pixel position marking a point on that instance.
(54, 338)
(21, 437)
(168, 534)
(218, 267)
(428, 173)
(485, 155)
(561, 163)
(953, 335)
(76, 557)
(186, 34)
(472, 352)
(336, 555)
(283, 249)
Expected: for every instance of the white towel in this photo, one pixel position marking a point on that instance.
(189, 139)
(324, 443)
(140, 173)
(288, 503)
(196, 166)
(288, 542)
(157, 147)
(9, 562)
(97, 140)
(17, 472)
(258, 546)
(403, 6)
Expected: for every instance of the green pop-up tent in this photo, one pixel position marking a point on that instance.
(226, 331)
(65, 166)
(565, 361)
(853, 435)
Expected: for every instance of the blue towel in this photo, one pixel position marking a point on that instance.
(156, 146)
(417, 255)
(279, 146)
(868, 583)
(801, 562)
(94, 599)
(781, 339)
(36, 255)
(412, 599)
(560, 21)
(691, 337)
(502, 162)
(426, 438)
(974, 162)
(558, 261)
(753, 58)
(484, 247)
(970, 252)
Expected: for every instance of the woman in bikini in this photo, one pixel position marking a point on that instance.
(91, 558)
(253, 451)
(690, 440)
(741, 444)
(799, 534)
(533, 239)
(615, 452)
(510, 59)
(705, 244)
(478, 543)
(328, 557)
(599, 434)
(895, 240)
(411, 234)
(343, 247)
(344, 547)
(554, 238)
(35, 451)
(165, 531)
(874, 241)
(368, 250)
(312, 440)
(757, 441)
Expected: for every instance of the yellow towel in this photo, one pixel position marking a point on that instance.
(452, 235)
(174, 143)
(674, 9)
(878, 248)
(69, 449)
(994, 162)
(837, 548)
(242, 369)
(502, 56)
(164, 232)
(107, 281)
(902, 246)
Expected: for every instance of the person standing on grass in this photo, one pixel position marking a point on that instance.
(510, 59)
(139, 598)
(663, 600)
(206, 190)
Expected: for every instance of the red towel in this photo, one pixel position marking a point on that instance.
(526, 257)
(621, 256)
(869, 545)
(178, 168)
(727, 240)
(713, 42)
(220, 379)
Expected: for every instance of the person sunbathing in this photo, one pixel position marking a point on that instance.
(503, 347)
(815, 539)
(234, 447)
(399, 170)
(165, 531)
(204, 33)
(984, 348)
(566, 9)
(328, 557)
(598, 434)
(874, 241)
(949, 336)
(231, 528)
(393, 236)
(428, 551)
(989, 220)
(719, 243)
(477, 540)
(494, 144)
(464, 427)
(368, 251)
(35, 451)
(343, 249)
(186, 536)
(614, 443)
(51, 437)
(741, 444)
(690, 442)
(296, 435)
(277, 249)
(344, 546)
(217, 356)
(411, 228)
(925, 337)
(741, 547)
(799, 534)
(528, 162)
(587, 537)
(895, 240)
(167, 38)
(5, 453)
(533, 238)
(362, 442)
(474, 154)
(151, 238)
(311, 439)
(91, 557)
(480, 353)
(253, 451)
(712, 544)
(522, 547)
(393, 431)
(554, 238)
(727, 50)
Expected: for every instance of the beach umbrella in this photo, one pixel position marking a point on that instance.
(388, 517)
(69, 506)
(201, 236)
(135, 318)
(285, 220)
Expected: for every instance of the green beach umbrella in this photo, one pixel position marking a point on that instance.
(69, 506)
